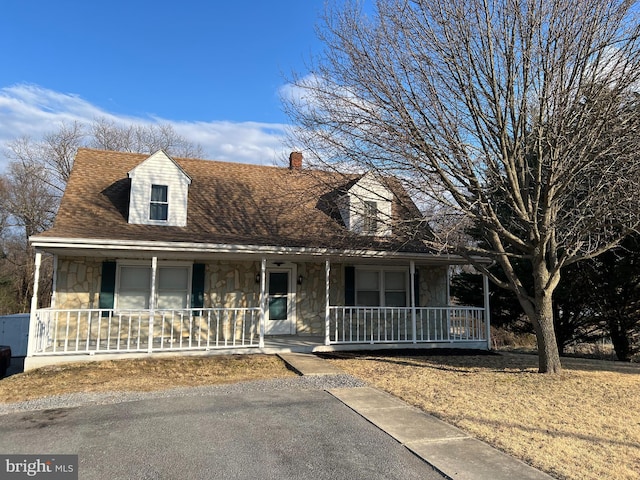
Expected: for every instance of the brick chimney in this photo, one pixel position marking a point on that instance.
(295, 161)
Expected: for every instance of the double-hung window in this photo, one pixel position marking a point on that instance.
(134, 287)
(159, 205)
(381, 288)
(172, 287)
(370, 218)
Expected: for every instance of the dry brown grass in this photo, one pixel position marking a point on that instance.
(140, 375)
(581, 424)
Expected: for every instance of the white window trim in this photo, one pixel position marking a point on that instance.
(370, 217)
(147, 263)
(292, 269)
(155, 221)
(381, 279)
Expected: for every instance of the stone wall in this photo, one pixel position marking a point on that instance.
(231, 285)
(77, 283)
(310, 296)
(433, 286)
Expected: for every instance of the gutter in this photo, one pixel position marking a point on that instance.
(55, 243)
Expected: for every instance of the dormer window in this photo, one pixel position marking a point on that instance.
(155, 183)
(370, 218)
(159, 206)
(366, 207)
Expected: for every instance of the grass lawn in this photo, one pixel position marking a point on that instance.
(581, 424)
(140, 375)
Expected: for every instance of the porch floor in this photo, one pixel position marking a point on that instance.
(274, 344)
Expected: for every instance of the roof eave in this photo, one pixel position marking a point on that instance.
(60, 244)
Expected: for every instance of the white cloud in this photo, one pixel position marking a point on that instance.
(31, 110)
(246, 142)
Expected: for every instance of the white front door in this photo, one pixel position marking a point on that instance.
(280, 306)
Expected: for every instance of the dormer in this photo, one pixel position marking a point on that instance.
(366, 207)
(159, 192)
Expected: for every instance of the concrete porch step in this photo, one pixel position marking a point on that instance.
(308, 364)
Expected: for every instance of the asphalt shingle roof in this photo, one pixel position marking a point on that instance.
(229, 203)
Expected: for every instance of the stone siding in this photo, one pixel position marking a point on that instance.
(231, 285)
(310, 296)
(77, 283)
(433, 286)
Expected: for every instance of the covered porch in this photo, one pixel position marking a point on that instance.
(58, 333)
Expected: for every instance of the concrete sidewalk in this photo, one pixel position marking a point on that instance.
(446, 448)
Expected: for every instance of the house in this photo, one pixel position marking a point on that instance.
(157, 254)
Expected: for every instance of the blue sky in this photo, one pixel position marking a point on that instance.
(212, 69)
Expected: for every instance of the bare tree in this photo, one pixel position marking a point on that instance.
(28, 201)
(520, 115)
(54, 153)
(59, 150)
(35, 179)
(108, 135)
(4, 214)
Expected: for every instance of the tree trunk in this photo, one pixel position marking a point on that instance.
(548, 354)
(561, 334)
(620, 340)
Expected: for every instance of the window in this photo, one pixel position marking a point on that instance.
(368, 288)
(370, 217)
(381, 288)
(159, 207)
(134, 287)
(395, 289)
(173, 287)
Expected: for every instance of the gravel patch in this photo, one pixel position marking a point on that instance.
(72, 400)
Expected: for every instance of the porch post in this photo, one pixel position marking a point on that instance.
(54, 284)
(31, 341)
(487, 315)
(263, 300)
(449, 303)
(327, 303)
(412, 273)
(152, 301)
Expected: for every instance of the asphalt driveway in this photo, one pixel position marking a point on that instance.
(263, 433)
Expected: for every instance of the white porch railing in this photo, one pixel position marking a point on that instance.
(395, 325)
(96, 330)
(77, 331)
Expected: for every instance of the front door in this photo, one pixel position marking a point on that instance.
(279, 317)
